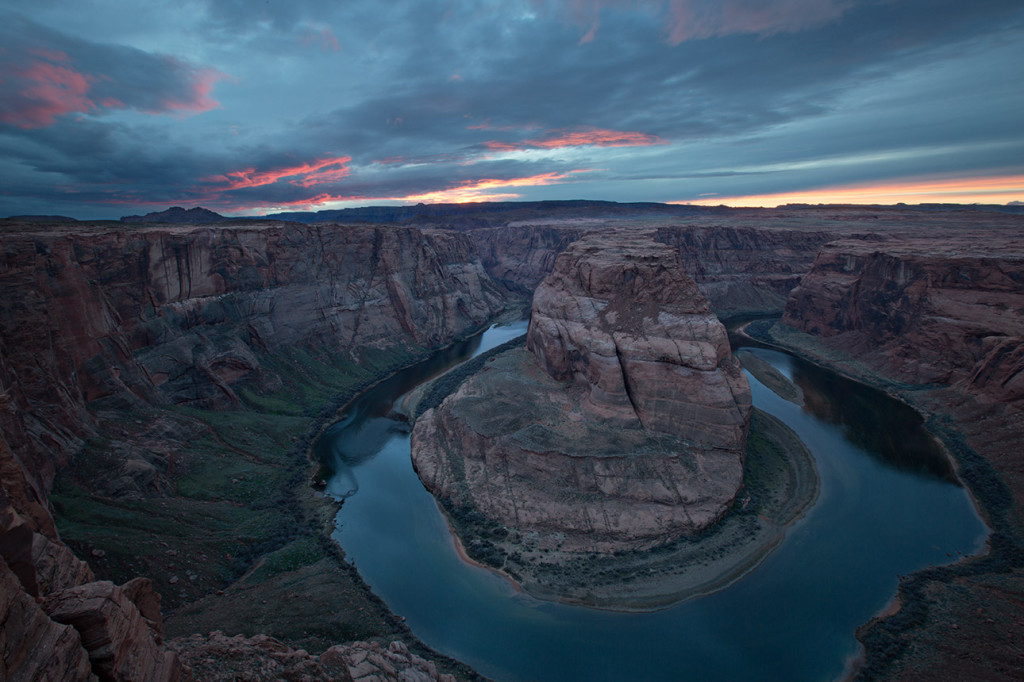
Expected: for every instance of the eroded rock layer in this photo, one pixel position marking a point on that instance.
(180, 315)
(620, 316)
(623, 427)
(928, 312)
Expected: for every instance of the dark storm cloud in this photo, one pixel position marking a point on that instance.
(332, 100)
(48, 74)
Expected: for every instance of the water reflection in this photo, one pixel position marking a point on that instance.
(886, 428)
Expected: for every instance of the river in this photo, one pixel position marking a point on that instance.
(888, 505)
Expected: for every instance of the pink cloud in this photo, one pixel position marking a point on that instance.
(197, 98)
(696, 19)
(309, 174)
(41, 84)
(597, 137)
(44, 92)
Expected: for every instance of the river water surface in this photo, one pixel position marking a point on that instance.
(888, 506)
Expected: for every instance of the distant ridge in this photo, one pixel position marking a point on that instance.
(439, 212)
(177, 214)
(42, 219)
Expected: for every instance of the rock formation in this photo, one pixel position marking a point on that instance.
(181, 315)
(620, 316)
(943, 312)
(219, 658)
(102, 321)
(624, 428)
(57, 622)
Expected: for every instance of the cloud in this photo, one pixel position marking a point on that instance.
(322, 36)
(48, 74)
(669, 99)
(310, 174)
(696, 19)
(586, 136)
(484, 189)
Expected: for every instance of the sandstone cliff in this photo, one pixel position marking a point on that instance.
(949, 312)
(625, 429)
(104, 330)
(938, 320)
(181, 315)
(740, 269)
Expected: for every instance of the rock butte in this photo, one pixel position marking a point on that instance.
(626, 427)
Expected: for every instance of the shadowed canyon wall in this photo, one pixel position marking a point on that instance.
(739, 269)
(99, 319)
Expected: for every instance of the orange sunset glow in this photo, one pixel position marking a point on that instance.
(479, 190)
(994, 190)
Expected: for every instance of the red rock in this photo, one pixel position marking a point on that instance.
(119, 640)
(621, 317)
(924, 311)
(625, 429)
(32, 646)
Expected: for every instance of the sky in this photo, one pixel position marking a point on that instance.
(248, 107)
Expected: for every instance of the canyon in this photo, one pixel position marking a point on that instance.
(160, 385)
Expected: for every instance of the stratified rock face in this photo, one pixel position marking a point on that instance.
(119, 640)
(947, 311)
(623, 427)
(180, 315)
(745, 269)
(32, 646)
(739, 269)
(621, 317)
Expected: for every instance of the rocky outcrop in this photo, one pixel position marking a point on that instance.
(947, 312)
(624, 426)
(57, 622)
(32, 646)
(119, 640)
(219, 658)
(620, 316)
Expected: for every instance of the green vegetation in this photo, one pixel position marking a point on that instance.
(230, 494)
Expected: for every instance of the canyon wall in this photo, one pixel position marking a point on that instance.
(739, 269)
(180, 315)
(938, 320)
(948, 312)
(102, 329)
